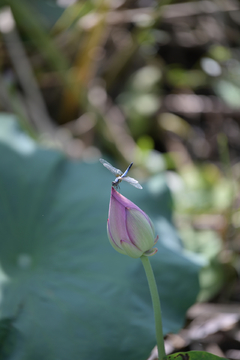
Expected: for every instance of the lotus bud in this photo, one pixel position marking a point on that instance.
(130, 230)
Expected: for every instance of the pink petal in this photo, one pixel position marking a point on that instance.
(117, 221)
(111, 239)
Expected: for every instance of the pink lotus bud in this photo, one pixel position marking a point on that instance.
(130, 230)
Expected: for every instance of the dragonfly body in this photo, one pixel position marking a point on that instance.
(120, 176)
(118, 179)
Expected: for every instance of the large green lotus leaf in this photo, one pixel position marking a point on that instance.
(47, 11)
(65, 292)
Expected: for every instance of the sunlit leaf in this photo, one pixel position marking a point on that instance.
(193, 355)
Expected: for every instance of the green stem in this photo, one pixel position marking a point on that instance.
(156, 305)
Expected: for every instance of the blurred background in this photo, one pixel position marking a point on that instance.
(156, 83)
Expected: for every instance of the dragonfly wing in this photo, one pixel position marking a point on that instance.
(132, 182)
(113, 170)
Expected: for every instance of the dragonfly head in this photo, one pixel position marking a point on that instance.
(116, 182)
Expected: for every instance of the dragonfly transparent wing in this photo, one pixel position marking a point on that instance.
(110, 167)
(132, 182)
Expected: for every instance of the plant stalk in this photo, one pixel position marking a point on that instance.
(156, 305)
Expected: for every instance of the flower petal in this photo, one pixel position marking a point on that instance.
(112, 242)
(139, 230)
(156, 240)
(117, 221)
(130, 249)
(150, 252)
(123, 200)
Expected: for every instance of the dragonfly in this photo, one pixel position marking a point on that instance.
(120, 176)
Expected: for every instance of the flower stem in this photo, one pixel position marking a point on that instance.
(156, 306)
